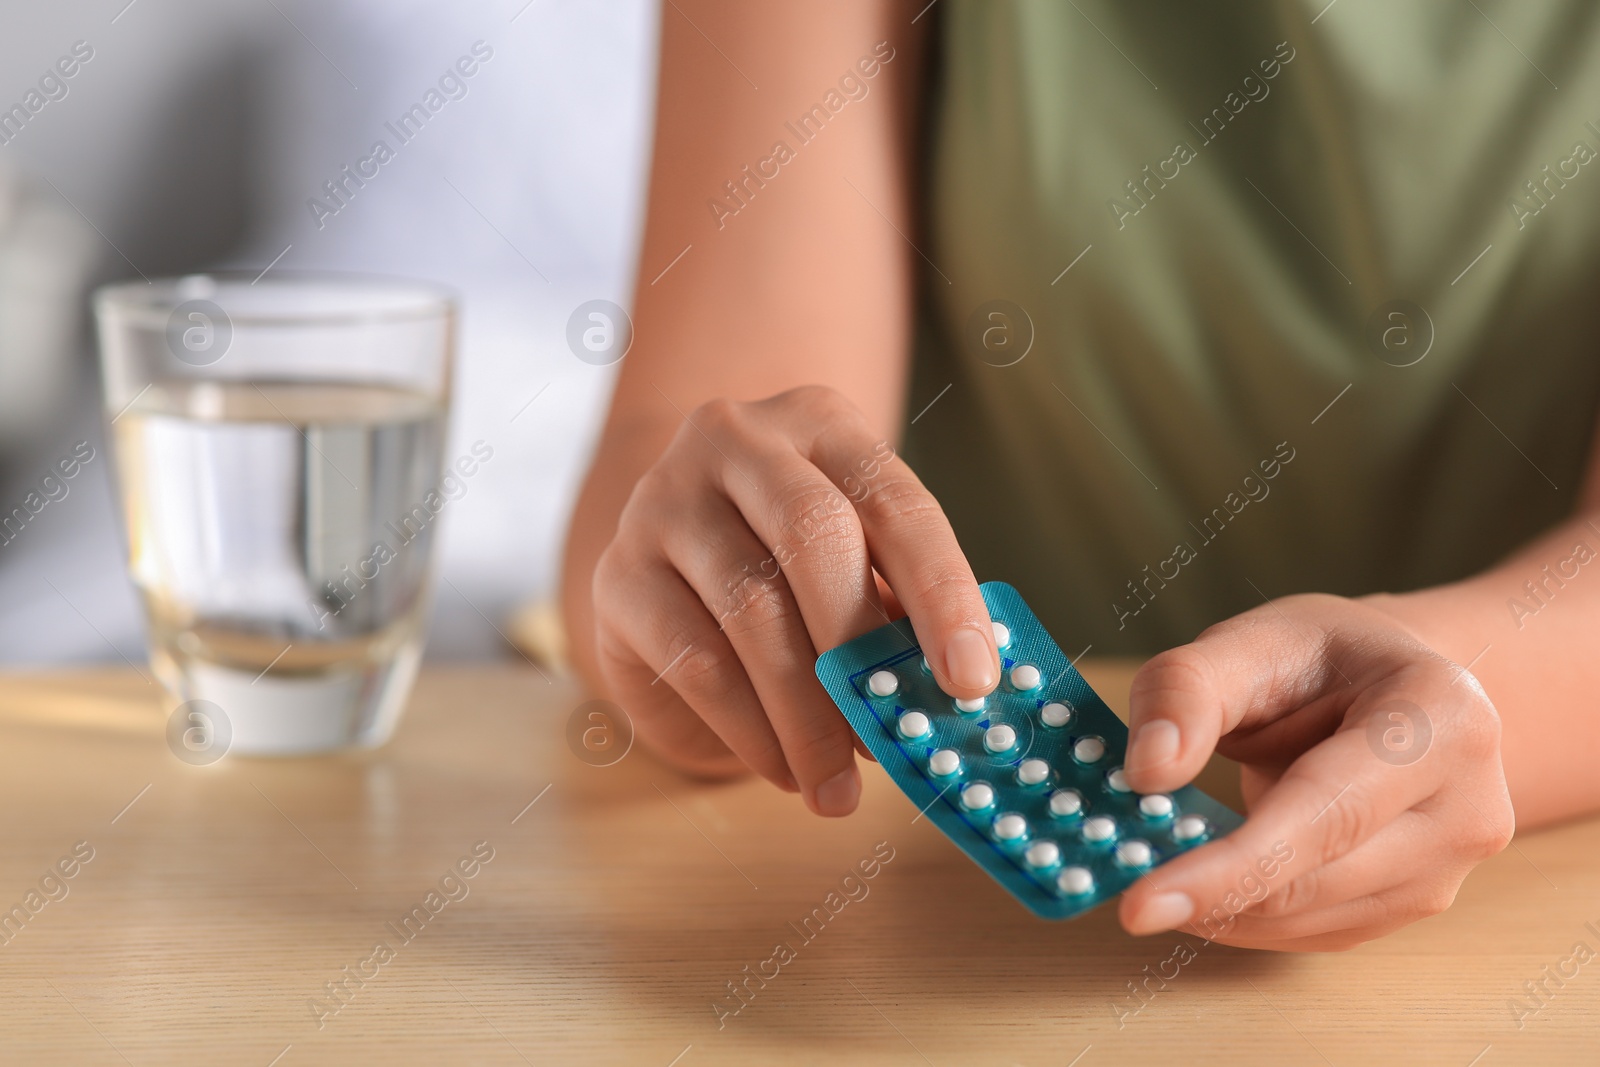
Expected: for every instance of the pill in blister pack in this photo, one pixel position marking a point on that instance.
(1028, 780)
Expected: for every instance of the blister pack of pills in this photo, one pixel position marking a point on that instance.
(1028, 780)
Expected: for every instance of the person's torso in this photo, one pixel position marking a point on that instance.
(1309, 298)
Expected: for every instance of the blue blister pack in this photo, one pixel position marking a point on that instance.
(1027, 781)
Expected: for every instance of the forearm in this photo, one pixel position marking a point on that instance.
(792, 278)
(1530, 628)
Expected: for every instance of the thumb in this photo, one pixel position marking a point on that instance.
(1242, 672)
(1175, 716)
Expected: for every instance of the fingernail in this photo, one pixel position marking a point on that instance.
(1163, 912)
(1156, 743)
(838, 795)
(969, 663)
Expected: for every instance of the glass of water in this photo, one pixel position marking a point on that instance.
(279, 447)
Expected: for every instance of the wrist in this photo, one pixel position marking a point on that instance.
(1402, 610)
(1446, 618)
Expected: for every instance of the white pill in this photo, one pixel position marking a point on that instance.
(1099, 828)
(1043, 854)
(1025, 676)
(1156, 806)
(1075, 881)
(1135, 854)
(1088, 749)
(1000, 738)
(944, 762)
(1002, 634)
(1065, 802)
(1010, 827)
(914, 724)
(1117, 782)
(1055, 714)
(977, 796)
(1189, 828)
(884, 683)
(969, 706)
(1032, 771)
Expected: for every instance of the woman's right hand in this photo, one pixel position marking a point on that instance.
(765, 534)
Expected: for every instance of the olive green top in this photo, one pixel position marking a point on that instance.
(1204, 216)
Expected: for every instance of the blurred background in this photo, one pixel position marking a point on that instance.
(194, 137)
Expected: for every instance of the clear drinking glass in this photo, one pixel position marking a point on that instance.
(279, 447)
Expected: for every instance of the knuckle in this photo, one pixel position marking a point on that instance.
(1477, 728)
(611, 652)
(702, 672)
(814, 401)
(1435, 899)
(758, 606)
(652, 497)
(604, 577)
(1357, 922)
(903, 501)
(817, 750)
(1487, 844)
(1379, 911)
(1182, 671)
(767, 755)
(1349, 821)
(1299, 894)
(1506, 828)
(1313, 602)
(931, 582)
(1494, 830)
(817, 513)
(620, 567)
(718, 418)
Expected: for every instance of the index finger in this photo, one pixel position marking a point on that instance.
(912, 544)
(1330, 800)
(1241, 674)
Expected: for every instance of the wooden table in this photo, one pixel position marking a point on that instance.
(221, 900)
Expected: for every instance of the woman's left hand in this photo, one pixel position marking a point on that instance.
(1371, 771)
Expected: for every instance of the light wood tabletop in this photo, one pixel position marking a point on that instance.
(208, 909)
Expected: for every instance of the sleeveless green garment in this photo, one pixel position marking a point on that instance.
(1224, 302)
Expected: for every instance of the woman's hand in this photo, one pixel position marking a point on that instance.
(1371, 771)
(754, 543)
